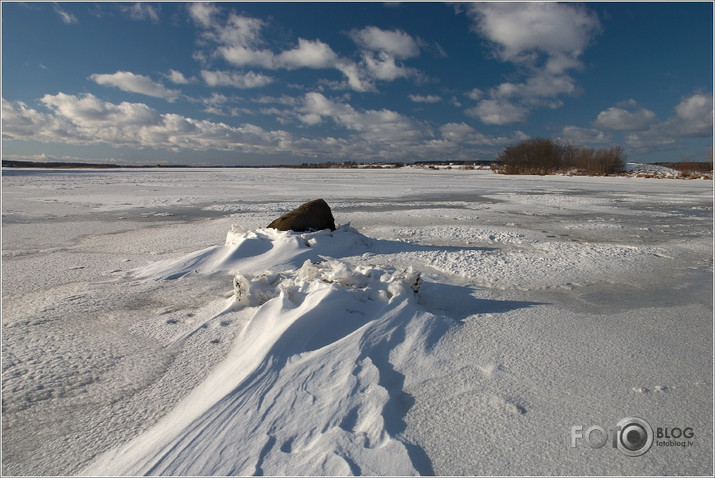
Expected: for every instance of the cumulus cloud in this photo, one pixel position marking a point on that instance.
(396, 43)
(22, 122)
(383, 66)
(67, 17)
(521, 32)
(498, 111)
(627, 116)
(133, 83)
(587, 136)
(462, 133)
(238, 31)
(142, 11)
(88, 120)
(542, 85)
(89, 112)
(222, 105)
(425, 98)
(545, 40)
(380, 50)
(694, 115)
(203, 13)
(178, 78)
(235, 79)
(693, 118)
(357, 79)
(475, 94)
(644, 141)
(385, 127)
(239, 41)
(308, 54)
(367, 134)
(243, 56)
(382, 134)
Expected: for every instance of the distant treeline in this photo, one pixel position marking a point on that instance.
(689, 166)
(381, 165)
(549, 156)
(324, 165)
(8, 163)
(54, 164)
(533, 156)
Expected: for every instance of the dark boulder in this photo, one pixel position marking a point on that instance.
(311, 216)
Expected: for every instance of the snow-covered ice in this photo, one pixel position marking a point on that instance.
(457, 322)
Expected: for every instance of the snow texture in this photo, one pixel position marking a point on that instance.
(457, 323)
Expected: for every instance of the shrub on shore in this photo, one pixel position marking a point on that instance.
(549, 156)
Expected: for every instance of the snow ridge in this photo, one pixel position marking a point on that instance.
(314, 382)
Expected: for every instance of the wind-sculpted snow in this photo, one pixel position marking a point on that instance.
(139, 337)
(256, 251)
(314, 382)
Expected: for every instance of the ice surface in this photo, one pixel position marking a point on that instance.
(461, 323)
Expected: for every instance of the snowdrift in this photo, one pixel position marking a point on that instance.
(314, 383)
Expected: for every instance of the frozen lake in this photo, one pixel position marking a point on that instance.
(548, 302)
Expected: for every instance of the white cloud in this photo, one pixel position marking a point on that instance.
(239, 30)
(133, 83)
(178, 78)
(316, 55)
(381, 49)
(694, 115)
(367, 135)
(88, 120)
(386, 128)
(315, 106)
(537, 87)
(239, 41)
(584, 136)
(235, 79)
(222, 105)
(425, 98)
(643, 141)
(393, 42)
(693, 118)
(520, 32)
(281, 100)
(66, 17)
(308, 54)
(475, 94)
(203, 13)
(382, 66)
(243, 56)
(546, 40)
(20, 121)
(457, 132)
(462, 133)
(90, 112)
(498, 111)
(356, 77)
(628, 116)
(142, 11)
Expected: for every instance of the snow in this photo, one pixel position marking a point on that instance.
(456, 322)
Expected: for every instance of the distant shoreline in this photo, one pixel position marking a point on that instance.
(9, 163)
(660, 170)
(326, 165)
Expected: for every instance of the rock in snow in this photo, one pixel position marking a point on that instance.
(313, 215)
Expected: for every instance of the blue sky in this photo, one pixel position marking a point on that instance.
(268, 83)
